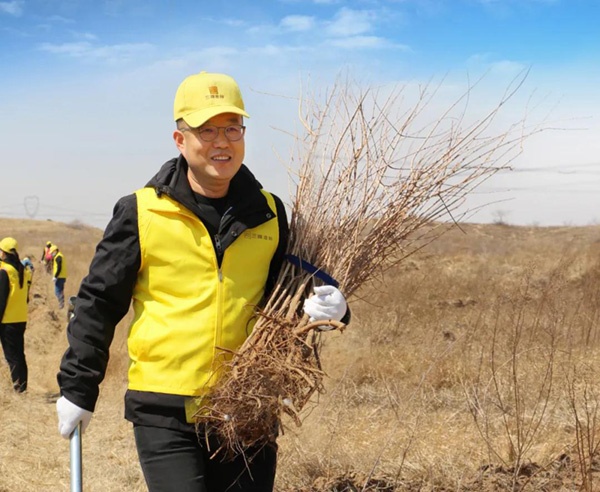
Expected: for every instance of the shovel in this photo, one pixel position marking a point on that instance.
(76, 468)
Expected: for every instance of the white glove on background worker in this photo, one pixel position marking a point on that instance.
(326, 303)
(69, 415)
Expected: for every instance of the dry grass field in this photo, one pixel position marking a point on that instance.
(472, 366)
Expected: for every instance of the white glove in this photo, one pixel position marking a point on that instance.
(54, 279)
(69, 415)
(326, 303)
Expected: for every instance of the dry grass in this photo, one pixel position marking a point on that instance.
(419, 395)
(373, 180)
(33, 456)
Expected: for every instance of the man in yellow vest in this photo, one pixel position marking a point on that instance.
(59, 274)
(193, 249)
(13, 311)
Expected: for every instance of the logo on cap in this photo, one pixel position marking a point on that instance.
(213, 91)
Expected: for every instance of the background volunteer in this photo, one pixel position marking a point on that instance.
(14, 291)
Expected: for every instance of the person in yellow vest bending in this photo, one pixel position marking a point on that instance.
(13, 311)
(59, 274)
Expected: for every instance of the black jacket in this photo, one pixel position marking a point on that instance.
(105, 293)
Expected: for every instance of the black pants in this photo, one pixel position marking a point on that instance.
(12, 336)
(177, 461)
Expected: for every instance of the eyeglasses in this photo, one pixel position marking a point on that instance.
(208, 133)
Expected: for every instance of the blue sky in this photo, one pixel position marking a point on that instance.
(86, 88)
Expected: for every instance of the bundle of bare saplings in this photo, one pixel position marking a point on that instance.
(373, 182)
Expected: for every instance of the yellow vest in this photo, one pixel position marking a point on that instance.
(63, 266)
(186, 309)
(16, 305)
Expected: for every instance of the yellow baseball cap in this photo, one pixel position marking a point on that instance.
(8, 244)
(204, 95)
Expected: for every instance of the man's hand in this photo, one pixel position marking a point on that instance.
(326, 303)
(54, 279)
(69, 415)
